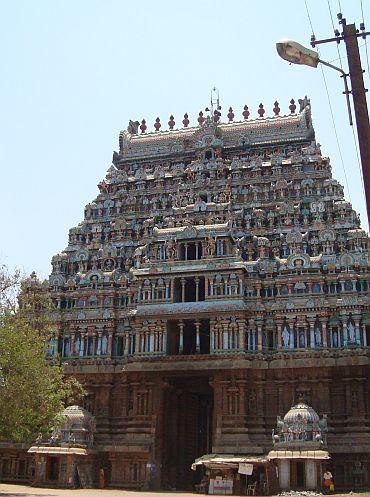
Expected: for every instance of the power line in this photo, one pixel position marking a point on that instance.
(331, 108)
(332, 23)
(358, 161)
(309, 17)
(353, 131)
(335, 132)
(367, 56)
(343, 56)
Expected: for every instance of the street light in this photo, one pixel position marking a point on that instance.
(298, 54)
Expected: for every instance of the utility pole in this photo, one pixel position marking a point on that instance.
(350, 37)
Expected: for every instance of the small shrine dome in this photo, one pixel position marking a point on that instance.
(300, 425)
(77, 416)
(301, 412)
(77, 425)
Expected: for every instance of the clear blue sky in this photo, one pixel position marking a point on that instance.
(75, 71)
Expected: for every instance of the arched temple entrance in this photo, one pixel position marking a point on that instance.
(187, 431)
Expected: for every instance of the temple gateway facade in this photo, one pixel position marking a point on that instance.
(218, 277)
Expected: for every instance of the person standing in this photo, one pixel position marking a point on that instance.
(328, 480)
(101, 478)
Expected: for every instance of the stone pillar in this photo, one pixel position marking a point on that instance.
(345, 336)
(312, 333)
(164, 340)
(196, 279)
(251, 334)
(225, 336)
(293, 332)
(137, 342)
(324, 334)
(72, 344)
(364, 341)
(183, 283)
(279, 342)
(311, 474)
(155, 339)
(110, 343)
(127, 344)
(186, 251)
(181, 338)
(241, 326)
(197, 337)
(357, 330)
(259, 336)
(82, 345)
(98, 348)
(284, 474)
(212, 337)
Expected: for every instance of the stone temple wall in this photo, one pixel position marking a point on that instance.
(218, 274)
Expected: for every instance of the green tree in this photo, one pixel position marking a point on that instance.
(33, 390)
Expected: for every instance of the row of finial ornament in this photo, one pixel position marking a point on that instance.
(217, 115)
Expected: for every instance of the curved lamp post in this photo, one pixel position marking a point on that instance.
(298, 54)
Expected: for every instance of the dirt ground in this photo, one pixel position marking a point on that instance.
(25, 491)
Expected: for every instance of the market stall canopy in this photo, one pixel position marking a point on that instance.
(57, 450)
(218, 461)
(298, 454)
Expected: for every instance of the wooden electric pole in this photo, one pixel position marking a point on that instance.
(350, 37)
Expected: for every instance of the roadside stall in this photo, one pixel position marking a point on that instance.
(236, 475)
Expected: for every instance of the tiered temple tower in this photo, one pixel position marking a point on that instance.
(218, 275)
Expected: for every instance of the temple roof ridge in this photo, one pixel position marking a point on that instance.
(135, 143)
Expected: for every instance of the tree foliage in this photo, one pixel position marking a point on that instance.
(33, 390)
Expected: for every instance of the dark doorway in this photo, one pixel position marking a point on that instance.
(269, 340)
(202, 290)
(188, 411)
(189, 338)
(173, 338)
(190, 291)
(204, 333)
(53, 468)
(300, 474)
(191, 252)
(177, 293)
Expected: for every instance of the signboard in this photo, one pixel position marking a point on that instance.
(220, 487)
(245, 469)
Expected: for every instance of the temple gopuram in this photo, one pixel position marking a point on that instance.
(218, 277)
